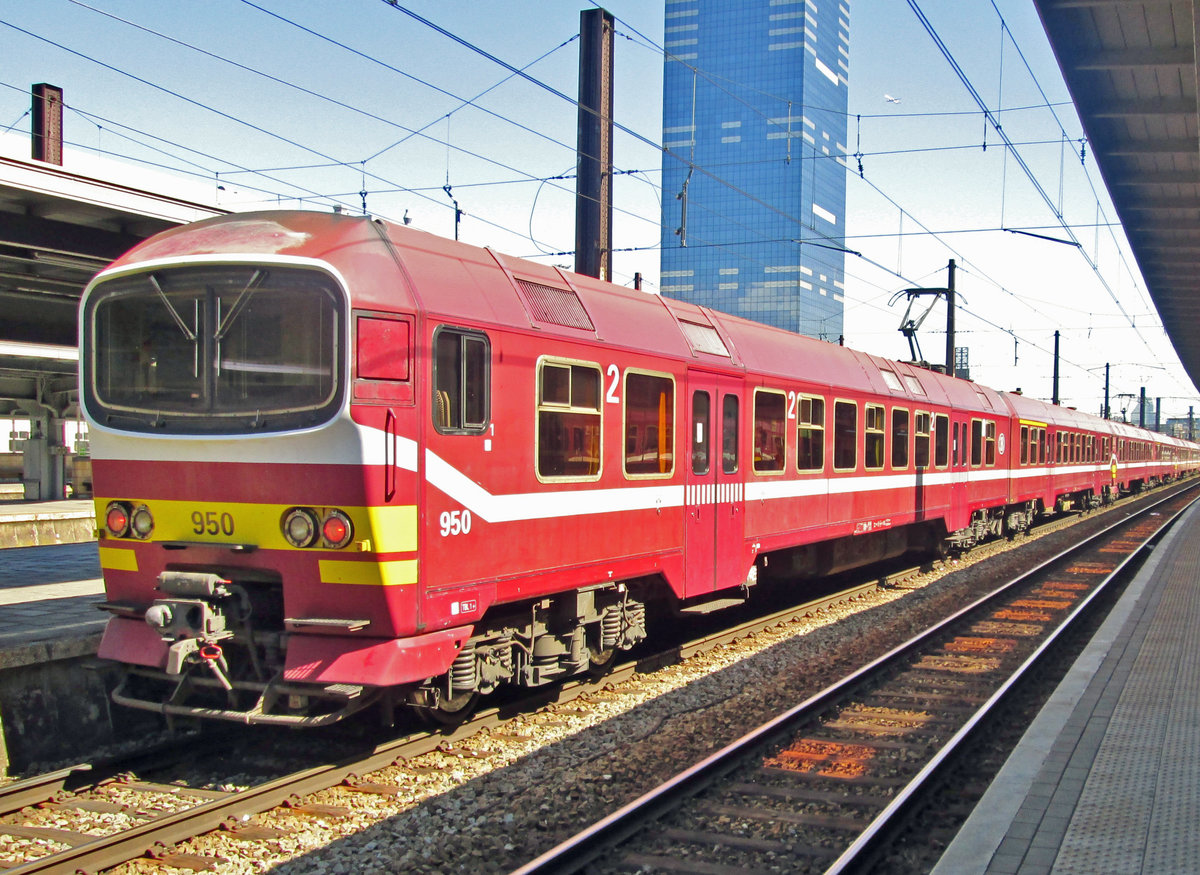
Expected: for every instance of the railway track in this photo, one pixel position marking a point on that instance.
(821, 787)
(92, 817)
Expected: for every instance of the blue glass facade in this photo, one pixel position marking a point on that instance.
(753, 173)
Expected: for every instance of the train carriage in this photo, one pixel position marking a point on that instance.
(341, 462)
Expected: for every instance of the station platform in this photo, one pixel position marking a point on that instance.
(34, 523)
(1107, 777)
(53, 691)
(47, 594)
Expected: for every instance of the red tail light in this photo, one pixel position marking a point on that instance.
(116, 519)
(337, 529)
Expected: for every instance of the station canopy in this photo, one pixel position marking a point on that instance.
(59, 225)
(1131, 68)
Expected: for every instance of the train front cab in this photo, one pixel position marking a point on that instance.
(255, 464)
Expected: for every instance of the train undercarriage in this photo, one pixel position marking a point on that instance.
(538, 643)
(226, 649)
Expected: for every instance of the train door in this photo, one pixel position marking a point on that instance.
(714, 529)
(960, 455)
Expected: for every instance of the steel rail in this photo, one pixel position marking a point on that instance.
(879, 825)
(39, 788)
(169, 829)
(576, 852)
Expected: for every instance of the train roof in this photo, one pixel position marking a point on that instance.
(1037, 412)
(391, 266)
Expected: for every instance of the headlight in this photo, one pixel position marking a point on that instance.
(300, 527)
(141, 522)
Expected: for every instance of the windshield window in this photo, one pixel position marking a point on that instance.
(219, 349)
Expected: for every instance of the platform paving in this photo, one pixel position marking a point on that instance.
(48, 593)
(1107, 778)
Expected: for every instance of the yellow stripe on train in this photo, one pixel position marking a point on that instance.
(118, 559)
(400, 572)
(376, 529)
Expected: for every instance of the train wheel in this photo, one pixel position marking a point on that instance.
(600, 662)
(450, 712)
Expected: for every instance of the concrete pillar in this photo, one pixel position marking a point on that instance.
(44, 470)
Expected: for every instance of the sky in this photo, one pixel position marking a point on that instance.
(410, 108)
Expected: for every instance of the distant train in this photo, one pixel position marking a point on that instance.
(339, 462)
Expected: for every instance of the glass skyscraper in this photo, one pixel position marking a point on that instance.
(753, 172)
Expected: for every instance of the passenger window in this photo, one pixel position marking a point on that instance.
(810, 435)
(874, 436)
(976, 442)
(989, 443)
(701, 408)
(461, 381)
(770, 430)
(941, 440)
(921, 441)
(568, 424)
(1024, 445)
(729, 434)
(899, 439)
(845, 435)
(649, 425)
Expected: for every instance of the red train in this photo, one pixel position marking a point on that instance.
(338, 461)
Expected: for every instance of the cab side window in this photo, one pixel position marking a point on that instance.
(383, 354)
(462, 372)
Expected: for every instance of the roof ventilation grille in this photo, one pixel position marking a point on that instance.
(556, 306)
